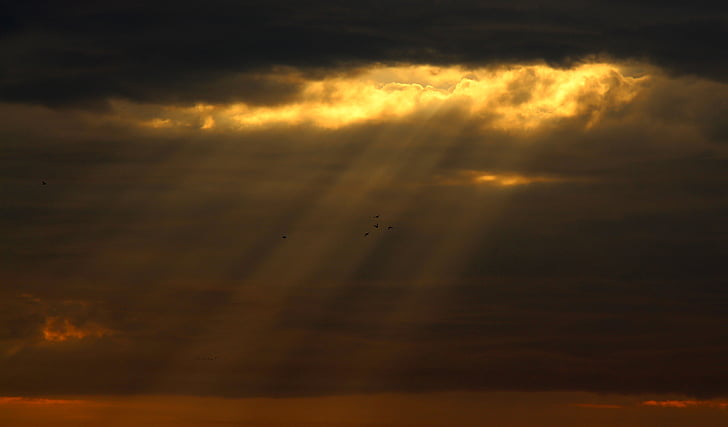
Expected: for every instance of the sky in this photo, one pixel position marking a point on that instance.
(385, 213)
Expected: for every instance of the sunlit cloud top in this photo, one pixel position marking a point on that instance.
(516, 97)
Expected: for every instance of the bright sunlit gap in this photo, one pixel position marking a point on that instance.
(515, 97)
(510, 179)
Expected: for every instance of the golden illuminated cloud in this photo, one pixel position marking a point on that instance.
(516, 97)
(509, 179)
(61, 329)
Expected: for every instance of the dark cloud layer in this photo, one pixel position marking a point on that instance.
(163, 249)
(82, 53)
(637, 336)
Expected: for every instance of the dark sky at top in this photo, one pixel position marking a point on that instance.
(162, 246)
(58, 53)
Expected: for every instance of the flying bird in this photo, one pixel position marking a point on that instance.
(283, 236)
(376, 225)
(390, 227)
(44, 183)
(366, 234)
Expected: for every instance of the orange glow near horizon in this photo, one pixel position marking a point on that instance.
(19, 400)
(515, 97)
(512, 409)
(686, 404)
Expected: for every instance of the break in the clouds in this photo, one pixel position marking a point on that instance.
(504, 97)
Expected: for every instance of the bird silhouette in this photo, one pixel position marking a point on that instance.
(376, 216)
(390, 227)
(44, 183)
(283, 236)
(376, 225)
(366, 234)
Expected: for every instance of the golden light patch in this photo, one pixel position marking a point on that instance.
(157, 123)
(496, 179)
(208, 123)
(510, 180)
(521, 97)
(59, 329)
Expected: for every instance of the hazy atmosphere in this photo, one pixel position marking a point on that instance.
(389, 213)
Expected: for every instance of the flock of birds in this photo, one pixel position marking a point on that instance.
(284, 236)
(376, 225)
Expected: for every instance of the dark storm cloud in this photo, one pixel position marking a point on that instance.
(85, 52)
